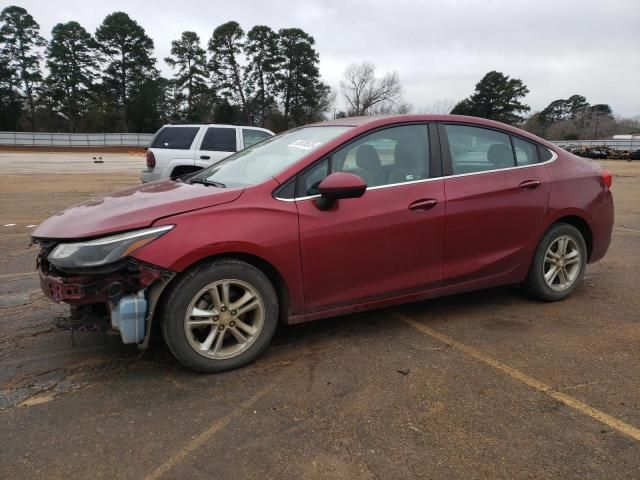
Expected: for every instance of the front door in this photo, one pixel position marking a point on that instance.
(387, 243)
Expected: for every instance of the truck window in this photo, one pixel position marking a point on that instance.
(219, 139)
(251, 137)
(175, 138)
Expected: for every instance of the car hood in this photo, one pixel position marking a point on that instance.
(133, 207)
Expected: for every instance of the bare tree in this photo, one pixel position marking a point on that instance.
(439, 107)
(367, 95)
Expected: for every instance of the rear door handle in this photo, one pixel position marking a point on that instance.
(423, 204)
(530, 184)
(205, 157)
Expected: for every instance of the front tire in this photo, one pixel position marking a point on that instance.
(220, 316)
(558, 264)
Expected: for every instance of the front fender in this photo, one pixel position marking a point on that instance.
(246, 226)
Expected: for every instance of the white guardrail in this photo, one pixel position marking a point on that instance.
(144, 139)
(39, 139)
(616, 144)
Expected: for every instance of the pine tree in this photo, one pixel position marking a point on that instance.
(302, 93)
(10, 99)
(127, 52)
(20, 45)
(226, 46)
(565, 109)
(190, 61)
(497, 97)
(263, 57)
(72, 68)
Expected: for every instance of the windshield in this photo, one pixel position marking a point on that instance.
(267, 158)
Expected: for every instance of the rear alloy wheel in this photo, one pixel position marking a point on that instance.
(562, 263)
(220, 316)
(558, 264)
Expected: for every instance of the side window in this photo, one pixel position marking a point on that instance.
(545, 154)
(476, 149)
(389, 156)
(308, 181)
(526, 152)
(393, 155)
(251, 137)
(175, 138)
(219, 139)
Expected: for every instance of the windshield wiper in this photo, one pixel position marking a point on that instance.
(208, 182)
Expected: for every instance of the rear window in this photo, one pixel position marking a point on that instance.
(545, 154)
(175, 138)
(219, 140)
(526, 152)
(251, 137)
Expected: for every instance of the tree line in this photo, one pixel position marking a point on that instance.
(109, 81)
(498, 97)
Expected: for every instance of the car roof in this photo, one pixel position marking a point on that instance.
(375, 121)
(187, 124)
(390, 119)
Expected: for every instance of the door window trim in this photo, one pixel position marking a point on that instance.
(209, 127)
(446, 154)
(435, 160)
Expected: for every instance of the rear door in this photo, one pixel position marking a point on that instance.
(216, 144)
(497, 193)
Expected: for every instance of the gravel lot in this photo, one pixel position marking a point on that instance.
(482, 385)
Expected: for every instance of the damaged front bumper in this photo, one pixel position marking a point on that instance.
(130, 290)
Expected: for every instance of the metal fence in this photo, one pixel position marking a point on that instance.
(617, 144)
(144, 139)
(75, 139)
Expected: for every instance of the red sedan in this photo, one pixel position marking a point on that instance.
(327, 219)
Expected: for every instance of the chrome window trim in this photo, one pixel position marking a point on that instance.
(554, 157)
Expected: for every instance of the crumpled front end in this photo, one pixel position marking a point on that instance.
(129, 289)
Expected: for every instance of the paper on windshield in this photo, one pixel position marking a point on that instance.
(304, 144)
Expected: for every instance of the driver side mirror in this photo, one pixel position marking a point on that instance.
(339, 185)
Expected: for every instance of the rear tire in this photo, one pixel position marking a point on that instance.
(558, 264)
(220, 316)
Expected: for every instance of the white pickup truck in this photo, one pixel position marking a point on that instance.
(185, 148)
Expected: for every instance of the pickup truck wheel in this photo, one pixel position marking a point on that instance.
(220, 316)
(558, 264)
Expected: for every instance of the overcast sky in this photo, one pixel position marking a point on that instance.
(440, 49)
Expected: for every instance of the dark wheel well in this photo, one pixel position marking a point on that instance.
(265, 267)
(274, 277)
(184, 170)
(583, 226)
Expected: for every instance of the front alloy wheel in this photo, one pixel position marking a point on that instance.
(224, 319)
(219, 315)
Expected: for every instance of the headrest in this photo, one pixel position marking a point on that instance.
(501, 155)
(407, 155)
(367, 157)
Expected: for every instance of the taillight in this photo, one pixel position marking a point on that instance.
(607, 178)
(151, 159)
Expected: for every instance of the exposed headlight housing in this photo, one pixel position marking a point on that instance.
(105, 250)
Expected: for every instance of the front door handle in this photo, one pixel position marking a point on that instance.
(205, 157)
(530, 184)
(423, 204)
